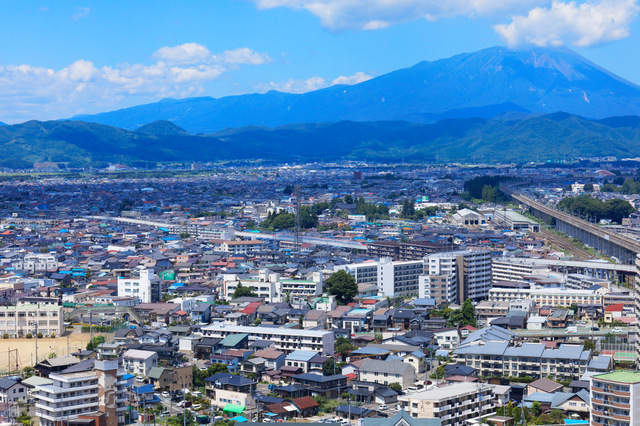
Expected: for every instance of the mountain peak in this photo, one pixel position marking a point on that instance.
(536, 80)
(162, 128)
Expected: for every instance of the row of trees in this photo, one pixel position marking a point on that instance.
(283, 220)
(459, 317)
(629, 186)
(485, 188)
(593, 209)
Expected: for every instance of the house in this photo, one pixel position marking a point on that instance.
(403, 419)
(306, 405)
(418, 360)
(365, 392)
(139, 362)
(128, 335)
(171, 378)
(543, 385)
(12, 391)
(201, 313)
(354, 413)
(320, 385)
(300, 359)
(314, 318)
(227, 388)
(274, 359)
(387, 372)
(447, 338)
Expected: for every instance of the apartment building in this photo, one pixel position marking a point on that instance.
(499, 358)
(387, 372)
(393, 278)
(453, 277)
(37, 262)
(272, 287)
(139, 362)
(454, 404)
(33, 318)
(145, 289)
(565, 297)
(583, 282)
(96, 394)
(403, 251)
(615, 398)
(241, 247)
(515, 269)
(285, 339)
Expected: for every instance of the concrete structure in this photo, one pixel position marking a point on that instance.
(139, 362)
(387, 372)
(285, 339)
(88, 394)
(22, 319)
(499, 358)
(453, 404)
(515, 269)
(615, 398)
(515, 221)
(392, 278)
(272, 287)
(146, 289)
(456, 276)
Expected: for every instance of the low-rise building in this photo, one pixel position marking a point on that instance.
(452, 404)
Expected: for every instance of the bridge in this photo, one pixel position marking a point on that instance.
(603, 239)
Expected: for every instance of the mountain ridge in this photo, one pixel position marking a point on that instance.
(536, 81)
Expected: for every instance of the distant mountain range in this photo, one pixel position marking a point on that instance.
(548, 137)
(495, 82)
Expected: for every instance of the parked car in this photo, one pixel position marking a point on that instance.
(166, 394)
(184, 404)
(618, 330)
(140, 379)
(196, 407)
(383, 407)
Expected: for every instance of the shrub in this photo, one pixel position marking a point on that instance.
(29, 336)
(5, 336)
(39, 335)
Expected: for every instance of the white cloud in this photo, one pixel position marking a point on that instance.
(80, 13)
(338, 15)
(188, 53)
(313, 83)
(245, 56)
(358, 77)
(28, 92)
(586, 24)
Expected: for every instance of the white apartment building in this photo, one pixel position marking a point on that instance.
(454, 404)
(515, 269)
(37, 262)
(100, 391)
(583, 282)
(469, 270)
(139, 362)
(285, 339)
(387, 372)
(25, 318)
(615, 398)
(241, 247)
(145, 289)
(273, 288)
(565, 296)
(393, 278)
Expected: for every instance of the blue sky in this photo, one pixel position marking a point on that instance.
(59, 58)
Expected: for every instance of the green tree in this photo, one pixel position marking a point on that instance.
(536, 408)
(329, 367)
(93, 345)
(344, 347)
(588, 187)
(464, 316)
(396, 387)
(342, 285)
(200, 375)
(242, 291)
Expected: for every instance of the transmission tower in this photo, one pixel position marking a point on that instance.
(296, 231)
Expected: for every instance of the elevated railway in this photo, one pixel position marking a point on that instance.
(603, 239)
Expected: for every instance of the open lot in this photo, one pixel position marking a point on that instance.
(27, 349)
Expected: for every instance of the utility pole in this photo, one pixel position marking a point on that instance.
(91, 326)
(36, 324)
(296, 232)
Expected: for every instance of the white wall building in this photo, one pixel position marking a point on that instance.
(393, 278)
(146, 288)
